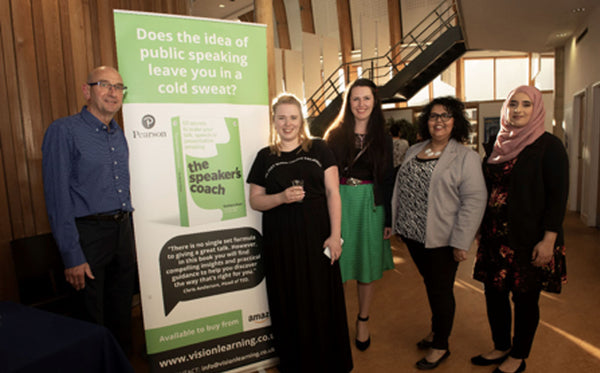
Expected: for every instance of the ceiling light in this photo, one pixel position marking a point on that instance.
(578, 10)
(221, 6)
(561, 34)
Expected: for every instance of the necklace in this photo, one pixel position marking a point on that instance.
(430, 153)
(359, 140)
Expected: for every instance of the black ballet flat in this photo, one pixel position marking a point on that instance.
(520, 369)
(483, 362)
(423, 364)
(424, 344)
(362, 345)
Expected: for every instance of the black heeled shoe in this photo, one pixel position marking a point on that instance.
(483, 362)
(520, 369)
(362, 345)
(423, 364)
(424, 344)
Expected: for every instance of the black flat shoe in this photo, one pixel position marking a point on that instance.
(424, 344)
(362, 345)
(483, 362)
(423, 364)
(520, 369)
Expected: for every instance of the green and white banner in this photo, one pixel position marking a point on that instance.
(195, 115)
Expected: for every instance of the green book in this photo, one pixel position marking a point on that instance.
(208, 167)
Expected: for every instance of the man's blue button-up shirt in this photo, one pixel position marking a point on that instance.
(86, 171)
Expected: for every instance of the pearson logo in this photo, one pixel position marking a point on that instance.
(259, 318)
(148, 122)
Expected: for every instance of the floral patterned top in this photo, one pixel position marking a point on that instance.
(498, 264)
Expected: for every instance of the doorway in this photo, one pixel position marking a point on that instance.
(579, 119)
(596, 147)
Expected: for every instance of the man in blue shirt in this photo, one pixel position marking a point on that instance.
(85, 167)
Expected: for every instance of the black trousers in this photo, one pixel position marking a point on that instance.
(108, 246)
(527, 317)
(438, 268)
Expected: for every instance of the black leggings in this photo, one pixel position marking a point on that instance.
(527, 317)
(438, 268)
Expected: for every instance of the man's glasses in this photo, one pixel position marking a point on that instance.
(104, 85)
(444, 117)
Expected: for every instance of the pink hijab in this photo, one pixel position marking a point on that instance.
(512, 140)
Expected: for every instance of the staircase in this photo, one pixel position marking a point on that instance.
(424, 53)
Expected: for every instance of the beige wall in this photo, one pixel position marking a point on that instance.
(582, 77)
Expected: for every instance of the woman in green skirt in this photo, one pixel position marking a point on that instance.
(363, 151)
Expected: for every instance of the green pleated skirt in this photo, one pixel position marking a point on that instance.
(365, 254)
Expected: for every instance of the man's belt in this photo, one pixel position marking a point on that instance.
(109, 216)
(354, 181)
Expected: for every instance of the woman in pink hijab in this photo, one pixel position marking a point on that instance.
(521, 248)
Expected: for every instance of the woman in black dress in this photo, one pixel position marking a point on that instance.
(521, 250)
(294, 182)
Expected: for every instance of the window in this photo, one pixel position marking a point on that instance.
(440, 88)
(510, 73)
(420, 98)
(479, 79)
(545, 79)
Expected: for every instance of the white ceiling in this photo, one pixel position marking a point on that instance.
(221, 9)
(522, 25)
(511, 25)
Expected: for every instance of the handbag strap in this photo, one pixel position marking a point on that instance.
(361, 152)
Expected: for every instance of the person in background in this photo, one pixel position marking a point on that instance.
(85, 166)
(438, 203)
(294, 182)
(521, 249)
(363, 153)
(400, 145)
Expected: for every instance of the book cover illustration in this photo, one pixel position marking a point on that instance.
(208, 166)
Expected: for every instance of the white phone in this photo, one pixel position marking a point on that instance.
(327, 250)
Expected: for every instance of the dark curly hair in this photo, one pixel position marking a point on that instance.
(456, 108)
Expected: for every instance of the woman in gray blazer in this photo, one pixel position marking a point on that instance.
(438, 203)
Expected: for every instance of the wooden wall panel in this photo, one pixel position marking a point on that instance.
(77, 54)
(6, 150)
(263, 13)
(38, 9)
(55, 68)
(9, 120)
(282, 25)
(27, 82)
(306, 16)
(90, 14)
(137, 5)
(47, 48)
(33, 129)
(345, 28)
(67, 46)
(105, 32)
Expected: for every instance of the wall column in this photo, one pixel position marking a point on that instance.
(559, 92)
(263, 11)
(345, 29)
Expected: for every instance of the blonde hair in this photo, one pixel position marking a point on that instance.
(303, 133)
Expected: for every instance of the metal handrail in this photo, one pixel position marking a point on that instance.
(396, 58)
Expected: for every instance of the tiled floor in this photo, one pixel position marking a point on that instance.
(568, 338)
